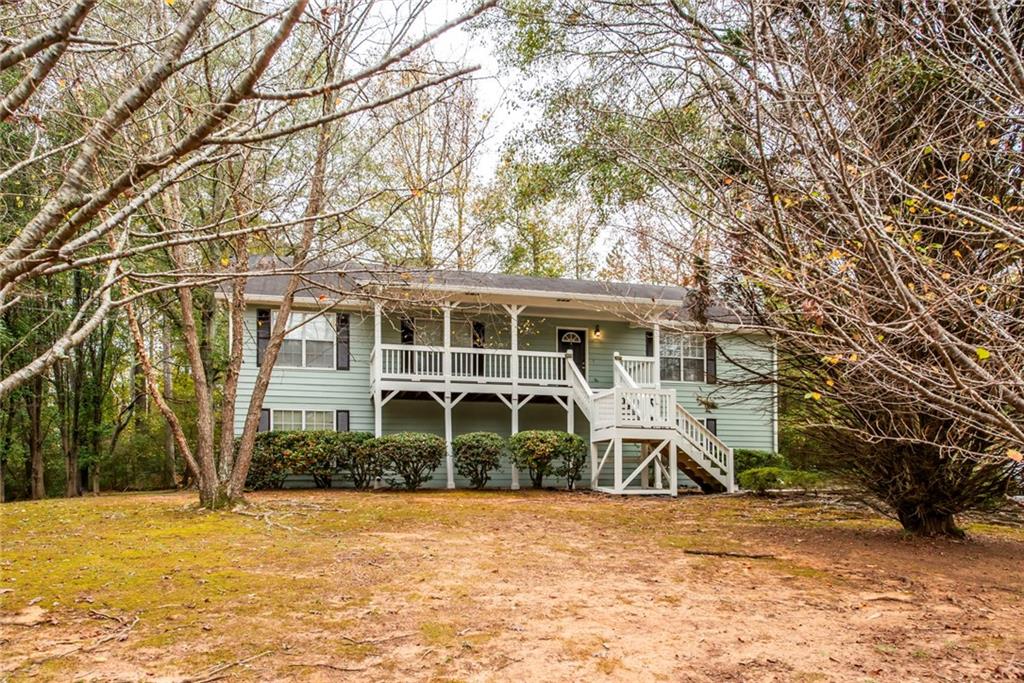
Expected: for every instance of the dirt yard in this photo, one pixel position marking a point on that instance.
(462, 586)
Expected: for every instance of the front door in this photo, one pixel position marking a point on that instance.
(575, 341)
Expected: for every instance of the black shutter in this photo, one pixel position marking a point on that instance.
(649, 344)
(264, 421)
(712, 425)
(710, 361)
(479, 337)
(342, 330)
(341, 420)
(262, 333)
(408, 336)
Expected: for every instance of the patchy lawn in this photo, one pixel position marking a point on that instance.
(336, 585)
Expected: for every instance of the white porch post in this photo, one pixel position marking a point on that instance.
(593, 463)
(377, 372)
(618, 463)
(513, 312)
(657, 355)
(673, 469)
(447, 369)
(570, 415)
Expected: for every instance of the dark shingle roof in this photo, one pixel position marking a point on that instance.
(322, 279)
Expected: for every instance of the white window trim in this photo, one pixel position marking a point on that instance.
(302, 328)
(333, 414)
(703, 357)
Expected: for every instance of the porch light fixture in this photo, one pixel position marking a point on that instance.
(597, 331)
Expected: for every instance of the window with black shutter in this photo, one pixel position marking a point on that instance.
(262, 333)
(342, 327)
(341, 420)
(264, 425)
(649, 344)
(712, 425)
(711, 361)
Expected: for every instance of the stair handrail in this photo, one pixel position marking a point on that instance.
(620, 373)
(719, 454)
(580, 387)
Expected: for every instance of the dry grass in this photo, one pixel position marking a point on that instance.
(498, 586)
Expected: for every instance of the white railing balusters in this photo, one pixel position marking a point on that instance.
(412, 362)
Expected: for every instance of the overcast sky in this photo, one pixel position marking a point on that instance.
(496, 88)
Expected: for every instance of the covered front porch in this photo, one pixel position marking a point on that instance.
(512, 353)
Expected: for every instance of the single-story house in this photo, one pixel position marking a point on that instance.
(661, 400)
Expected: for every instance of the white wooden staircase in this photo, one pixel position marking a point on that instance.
(646, 436)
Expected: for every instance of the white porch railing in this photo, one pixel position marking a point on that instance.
(482, 364)
(409, 362)
(542, 367)
(641, 369)
(421, 362)
(707, 444)
(634, 408)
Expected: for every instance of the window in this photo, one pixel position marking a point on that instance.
(319, 419)
(430, 332)
(682, 357)
(298, 420)
(309, 342)
(286, 420)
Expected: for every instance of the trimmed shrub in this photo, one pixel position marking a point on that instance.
(572, 452)
(535, 450)
(476, 455)
(269, 467)
(346, 444)
(320, 454)
(364, 463)
(413, 456)
(762, 479)
(314, 453)
(749, 459)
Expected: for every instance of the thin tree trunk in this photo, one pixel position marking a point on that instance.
(34, 409)
(170, 464)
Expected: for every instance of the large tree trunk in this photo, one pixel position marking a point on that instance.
(929, 522)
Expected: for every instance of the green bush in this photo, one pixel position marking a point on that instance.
(364, 464)
(269, 466)
(320, 454)
(476, 455)
(535, 451)
(748, 459)
(413, 456)
(761, 479)
(346, 445)
(314, 453)
(572, 452)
